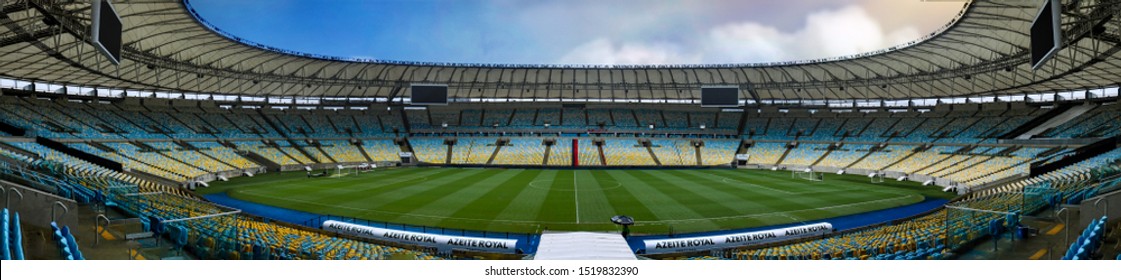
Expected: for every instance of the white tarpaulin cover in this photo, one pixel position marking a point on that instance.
(583, 246)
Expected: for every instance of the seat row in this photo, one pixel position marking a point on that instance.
(214, 231)
(67, 246)
(11, 236)
(1089, 242)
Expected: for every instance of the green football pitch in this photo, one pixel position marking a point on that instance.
(531, 200)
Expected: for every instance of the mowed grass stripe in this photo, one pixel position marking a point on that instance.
(376, 198)
(785, 202)
(490, 204)
(361, 188)
(405, 200)
(559, 204)
(290, 182)
(319, 205)
(487, 208)
(594, 204)
(622, 200)
(329, 188)
(802, 206)
(745, 201)
(530, 202)
(448, 203)
(666, 206)
(740, 207)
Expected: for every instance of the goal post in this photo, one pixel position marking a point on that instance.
(347, 170)
(808, 174)
(876, 177)
(344, 170)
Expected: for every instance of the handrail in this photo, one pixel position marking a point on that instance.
(98, 228)
(1106, 208)
(65, 210)
(8, 197)
(1065, 223)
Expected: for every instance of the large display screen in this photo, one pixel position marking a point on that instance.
(720, 96)
(1045, 31)
(106, 30)
(429, 95)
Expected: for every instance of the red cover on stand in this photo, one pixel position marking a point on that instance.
(575, 152)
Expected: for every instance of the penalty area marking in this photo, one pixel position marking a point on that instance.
(734, 181)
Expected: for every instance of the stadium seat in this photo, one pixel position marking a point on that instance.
(5, 246)
(17, 238)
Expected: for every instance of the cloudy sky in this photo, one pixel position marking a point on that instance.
(580, 31)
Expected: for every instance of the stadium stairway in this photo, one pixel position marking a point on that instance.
(280, 130)
(300, 148)
(825, 154)
(938, 165)
(742, 148)
(871, 150)
(784, 154)
(143, 145)
(362, 151)
(276, 146)
(146, 175)
(404, 145)
(319, 148)
(905, 158)
(951, 162)
(498, 144)
(602, 156)
(188, 146)
(1055, 117)
(205, 123)
(646, 144)
(260, 160)
(448, 157)
(548, 151)
(1080, 154)
(203, 129)
(970, 166)
(697, 154)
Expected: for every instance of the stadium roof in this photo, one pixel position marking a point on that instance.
(983, 51)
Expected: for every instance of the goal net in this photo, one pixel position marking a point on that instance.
(808, 174)
(347, 170)
(876, 177)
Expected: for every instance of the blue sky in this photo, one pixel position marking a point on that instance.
(579, 31)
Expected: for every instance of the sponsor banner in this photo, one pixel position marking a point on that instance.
(441, 242)
(673, 245)
(406, 154)
(742, 156)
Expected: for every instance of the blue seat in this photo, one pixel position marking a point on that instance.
(72, 244)
(5, 251)
(17, 238)
(64, 248)
(1082, 254)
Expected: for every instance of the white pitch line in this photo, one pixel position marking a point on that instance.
(576, 194)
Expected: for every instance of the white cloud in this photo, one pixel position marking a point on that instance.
(830, 33)
(604, 51)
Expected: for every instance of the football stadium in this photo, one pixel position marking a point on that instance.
(139, 130)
